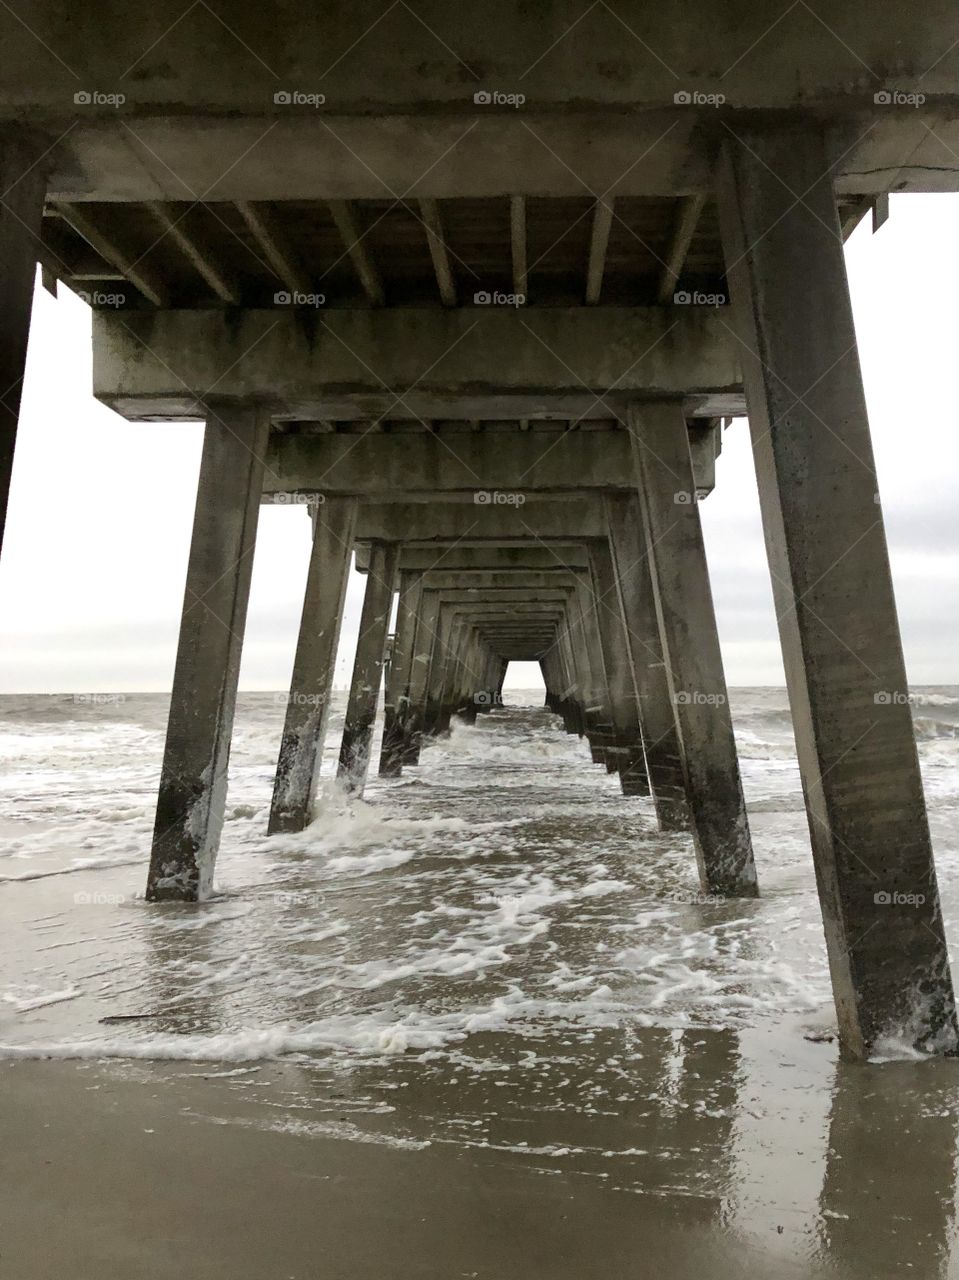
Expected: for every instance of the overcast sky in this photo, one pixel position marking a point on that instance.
(91, 580)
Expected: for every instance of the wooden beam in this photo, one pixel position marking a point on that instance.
(517, 236)
(684, 228)
(219, 280)
(348, 227)
(131, 268)
(430, 213)
(272, 243)
(598, 240)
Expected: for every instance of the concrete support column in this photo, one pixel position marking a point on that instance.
(397, 686)
(589, 654)
(427, 618)
(634, 585)
(694, 665)
(833, 590)
(368, 665)
(23, 185)
(627, 753)
(192, 795)
(304, 732)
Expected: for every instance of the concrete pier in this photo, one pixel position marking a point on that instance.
(505, 374)
(396, 697)
(368, 665)
(304, 729)
(627, 753)
(634, 586)
(833, 590)
(193, 780)
(691, 653)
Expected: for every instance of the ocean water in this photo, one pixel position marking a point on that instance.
(497, 952)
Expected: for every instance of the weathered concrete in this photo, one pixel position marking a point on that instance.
(193, 781)
(634, 587)
(368, 665)
(304, 731)
(396, 699)
(694, 665)
(22, 184)
(834, 598)
(627, 754)
(415, 362)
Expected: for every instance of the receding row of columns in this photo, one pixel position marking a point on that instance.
(829, 563)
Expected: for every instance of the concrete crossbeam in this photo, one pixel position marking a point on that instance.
(414, 362)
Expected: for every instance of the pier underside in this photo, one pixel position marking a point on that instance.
(490, 346)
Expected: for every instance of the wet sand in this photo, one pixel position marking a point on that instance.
(148, 1173)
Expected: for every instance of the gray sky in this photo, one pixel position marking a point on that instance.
(92, 573)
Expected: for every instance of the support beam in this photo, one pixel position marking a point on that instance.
(271, 242)
(634, 584)
(368, 666)
(430, 213)
(193, 781)
(517, 240)
(23, 182)
(694, 665)
(834, 596)
(426, 362)
(627, 753)
(147, 281)
(687, 218)
(396, 699)
(202, 260)
(598, 241)
(304, 731)
(344, 216)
